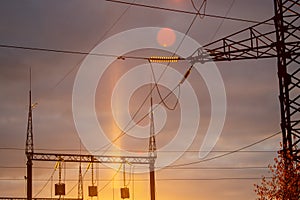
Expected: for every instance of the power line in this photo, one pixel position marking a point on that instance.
(56, 50)
(112, 179)
(117, 20)
(159, 179)
(162, 100)
(216, 168)
(159, 92)
(180, 43)
(101, 38)
(185, 11)
(165, 69)
(123, 132)
(93, 54)
(166, 168)
(229, 153)
(165, 151)
(51, 176)
(222, 22)
(63, 51)
(212, 179)
(204, 3)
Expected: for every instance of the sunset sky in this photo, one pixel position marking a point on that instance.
(251, 88)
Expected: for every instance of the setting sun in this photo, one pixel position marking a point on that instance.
(166, 37)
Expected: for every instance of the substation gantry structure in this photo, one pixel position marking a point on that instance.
(79, 158)
(277, 37)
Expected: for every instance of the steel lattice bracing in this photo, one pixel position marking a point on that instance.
(29, 148)
(80, 158)
(80, 184)
(287, 22)
(90, 158)
(264, 40)
(29, 135)
(254, 42)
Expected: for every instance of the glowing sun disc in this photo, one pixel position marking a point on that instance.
(166, 37)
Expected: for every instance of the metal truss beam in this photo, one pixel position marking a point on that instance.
(278, 37)
(255, 42)
(250, 43)
(90, 158)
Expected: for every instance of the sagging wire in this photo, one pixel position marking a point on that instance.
(84, 53)
(130, 174)
(127, 128)
(228, 153)
(185, 11)
(203, 5)
(87, 169)
(159, 93)
(112, 179)
(222, 22)
(123, 132)
(97, 178)
(44, 186)
(159, 78)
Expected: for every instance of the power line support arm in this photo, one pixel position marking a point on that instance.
(282, 40)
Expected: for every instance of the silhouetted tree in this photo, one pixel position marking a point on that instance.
(284, 183)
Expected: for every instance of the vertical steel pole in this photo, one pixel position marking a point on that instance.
(152, 153)
(29, 178)
(152, 180)
(29, 146)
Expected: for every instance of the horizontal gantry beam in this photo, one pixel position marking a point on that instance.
(91, 158)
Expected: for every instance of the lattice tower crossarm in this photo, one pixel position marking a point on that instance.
(264, 40)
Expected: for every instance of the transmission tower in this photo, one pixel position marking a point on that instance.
(277, 37)
(287, 36)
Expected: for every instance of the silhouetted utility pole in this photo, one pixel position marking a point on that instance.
(152, 153)
(29, 147)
